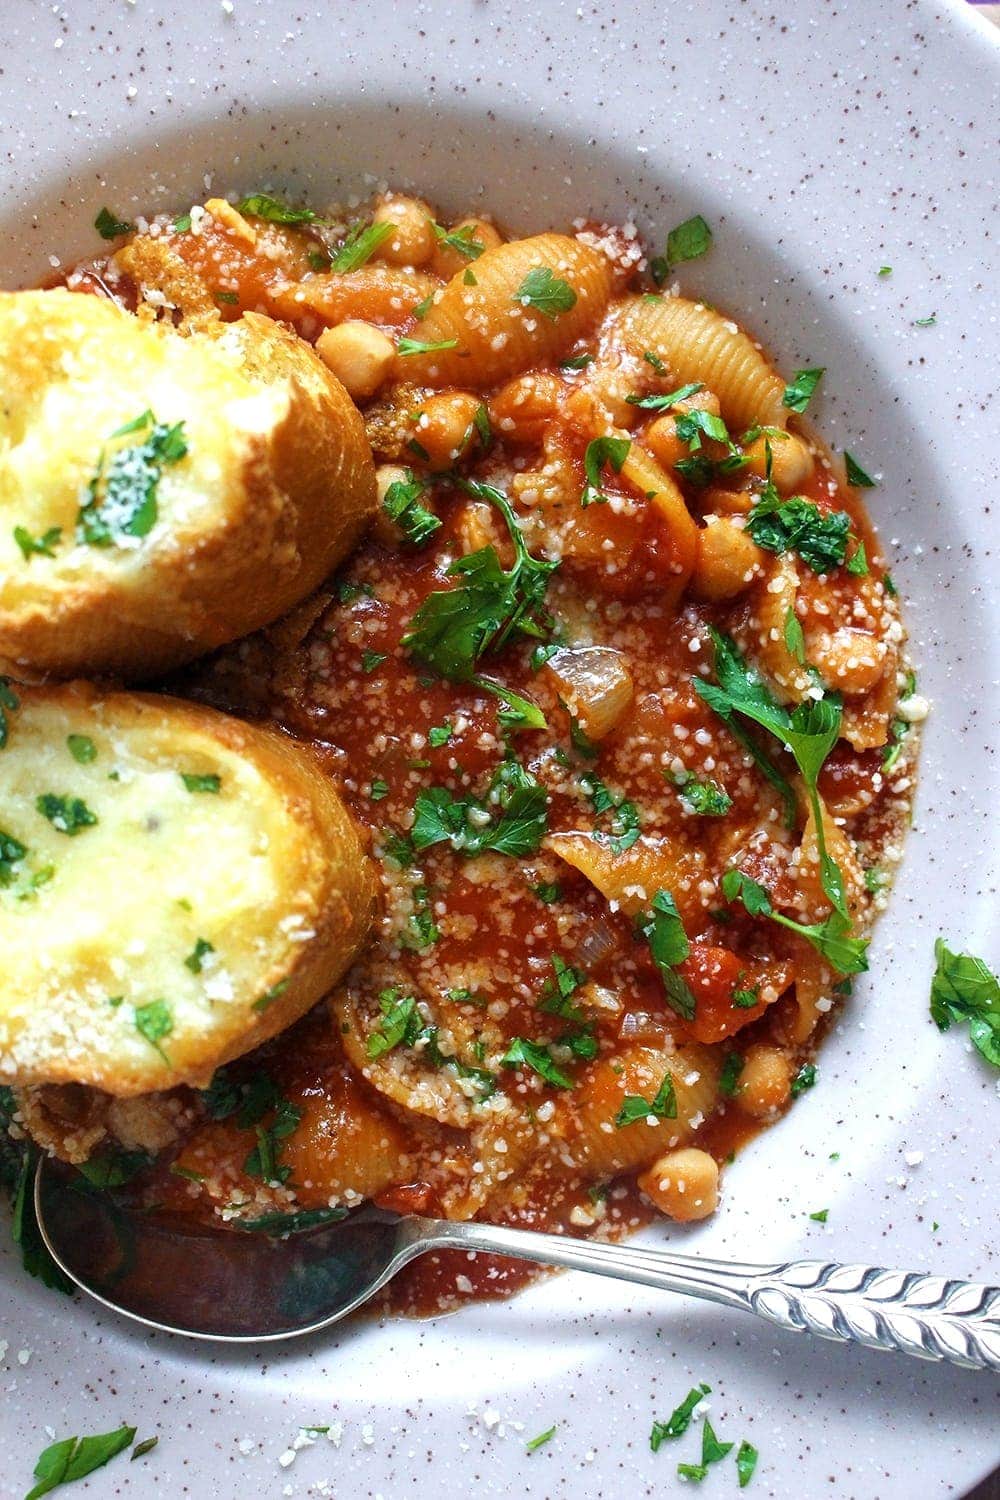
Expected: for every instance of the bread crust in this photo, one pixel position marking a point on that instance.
(279, 958)
(280, 485)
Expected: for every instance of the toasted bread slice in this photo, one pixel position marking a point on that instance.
(161, 495)
(175, 887)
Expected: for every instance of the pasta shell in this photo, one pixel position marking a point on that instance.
(495, 334)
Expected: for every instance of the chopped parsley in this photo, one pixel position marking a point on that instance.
(360, 244)
(109, 227)
(481, 423)
(964, 989)
(820, 1216)
(688, 241)
(269, 996)
(40, 546)
(576, 362)
(729, 1078)
(547, 892)
(74, 1458)
(663, 403)
(12, 851)
(399, 1026)
(263, 1161)
(274, 210)
(378, 790)
(745, 999)
(422, 346)
(601, 451)
(537, 1442)
(69, 815)
(194, 961)
(372, 659)
(663, 1106)
(797, 525)
(537, 1057)
(112, 1168)
(925, 322)
(804, 1079)
(884, 271)
(453, 628)
(707, 799)
(802, 389)
(795, 637)
(625, 823)
(830, 938)
(154, 1021)
(856, 476)
(462, 239)
(680, 1418)
(122, 493)
(293, 1223)
(469, 824)
(809, 732)
(82, 748)
(712, 1451)
(439, 734)
(545, 292)
(9, 702)
(664, 932)
(196, 783)
(857, 564)
(746, 1454)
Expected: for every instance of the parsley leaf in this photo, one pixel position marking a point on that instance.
(9, 702)
(746, 1462)
(545, 292)
(122, 491)
(360, 244)
(82, 748)
(680, 1418)
(400, 1024)
(663, 403)
(664, 932)
(468, 823)
(856, 476)
(730, 1076)
(263, 1159)
(688, 241)
(41, 546)
(800, 392)
(109, 227)
(12, 851)
(462, 239)
(67, 815)
(601, 451)
(453, 628)
(797, 525)
(712, 1451)
(202, 948)
(154, 1021)
(264, 206)
(625, 824)
(634, 1107)
(830, 938)
(537, 1057)
(809, 732)
(707, 799)
(423, 346)
(543, 1437)
(195, 783)
(795, 637)
(804, 1079)
(73, 1458)
(964, 989)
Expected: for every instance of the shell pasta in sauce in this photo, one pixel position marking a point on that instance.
(615, 686)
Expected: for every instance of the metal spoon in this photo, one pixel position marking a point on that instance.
(250, 1288)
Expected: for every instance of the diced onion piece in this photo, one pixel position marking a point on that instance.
(595, 684)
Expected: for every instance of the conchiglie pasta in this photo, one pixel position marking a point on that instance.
(631, 879)
(495, 333)
(599, 1147)
(696, 343)
(643, 473)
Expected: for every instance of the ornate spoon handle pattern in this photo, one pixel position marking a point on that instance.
(929, 1317)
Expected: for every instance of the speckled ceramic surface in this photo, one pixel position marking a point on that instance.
(821, 144)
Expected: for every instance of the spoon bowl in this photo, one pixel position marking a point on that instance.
(250, 1287)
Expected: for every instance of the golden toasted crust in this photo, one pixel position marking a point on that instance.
(154, 926)
(274, 489)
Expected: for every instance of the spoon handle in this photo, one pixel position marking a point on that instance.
(910, 1312)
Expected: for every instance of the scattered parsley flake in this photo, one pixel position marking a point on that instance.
(154, 1021)
(372, 659)
(856, 476)
(422, 346)
(663, 1106)
(688, 241)
(802, 389)
(195, 783)
(109, 227)
(820, 1216)
(746, 1462)
(200, 951)
(680, 1418)
(69, 815)
(274, 210)
(37, 546)
(360, 244)
(82, 748)
(543, 1437)
(668, 943)
(964, 989)
(804, 1079)
(601, 451)
(545, 292)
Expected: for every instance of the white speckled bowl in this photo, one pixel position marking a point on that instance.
(820, 146)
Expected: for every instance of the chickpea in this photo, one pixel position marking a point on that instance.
(727, 561)
(683, 1184)
(791, 461)
(414, 240)
(384, 527)
(661, 437)
(850, 659)
(448, 261)
(765, 1081)
(523, 408)
(359, 355)
(446, 427)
